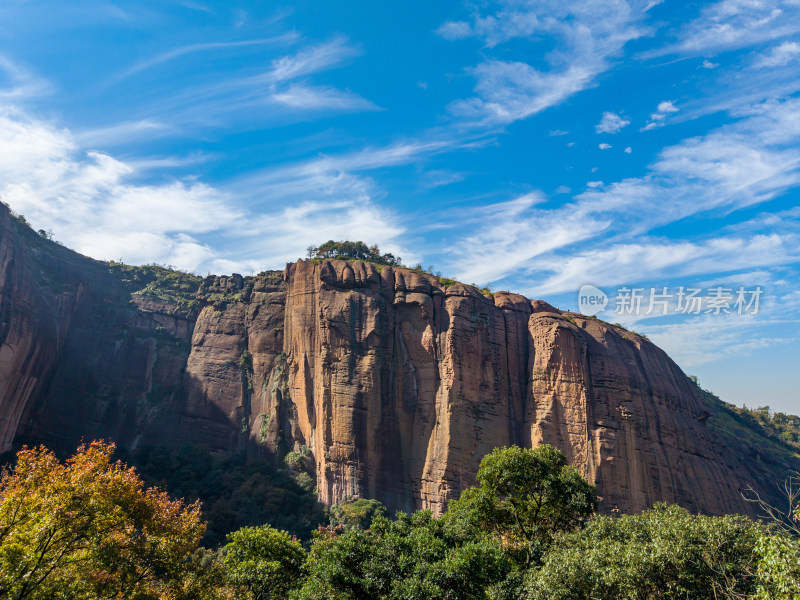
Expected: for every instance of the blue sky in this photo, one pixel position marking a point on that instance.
(534, 146)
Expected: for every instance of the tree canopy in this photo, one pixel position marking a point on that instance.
(354, 251)
(88, 528)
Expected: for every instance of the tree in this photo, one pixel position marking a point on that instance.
(89, 529)
(348, 250)
(356, 513)
(526, 497)
(665, 553)
(778, 568)
(415, 557)
(779, 551)
(264, 562)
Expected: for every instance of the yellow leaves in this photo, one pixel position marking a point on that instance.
(89, 528)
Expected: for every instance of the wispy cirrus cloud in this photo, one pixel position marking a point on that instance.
(589, 37)
(305, 97)
(731, 24)
(603, 234)
(20, 84)
(283, 91)
(779, 56)
(188, 49)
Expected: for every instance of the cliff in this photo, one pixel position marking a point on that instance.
(397, 383)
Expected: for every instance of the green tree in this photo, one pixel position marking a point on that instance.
(664, 553)
(778, 568)
(349, 250)
(414, 557)
(525, 498)
(263, 562)
(356, 513)
(89, 529)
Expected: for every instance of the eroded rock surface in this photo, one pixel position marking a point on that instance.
(398, 384)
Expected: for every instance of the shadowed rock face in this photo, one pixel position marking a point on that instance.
(398, 384)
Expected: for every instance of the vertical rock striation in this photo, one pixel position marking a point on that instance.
(398, 384)
(401, 385)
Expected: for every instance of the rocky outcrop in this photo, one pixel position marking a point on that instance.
(397, 383)
(402, 385)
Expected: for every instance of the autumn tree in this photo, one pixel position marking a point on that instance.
(88, 528)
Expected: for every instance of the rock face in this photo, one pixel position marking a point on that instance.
(398, 384)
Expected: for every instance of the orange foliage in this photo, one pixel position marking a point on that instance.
(89, 528)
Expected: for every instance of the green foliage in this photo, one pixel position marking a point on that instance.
(570, 319)
(355, 513)
(263, 563)
(414, 557)
(246, 364)
(525, 498)
(665, 553)
(298, 459)
(353, 251)
(778, 568)
(161, 282)
(776, 425)
(446, 281)
(235, 490)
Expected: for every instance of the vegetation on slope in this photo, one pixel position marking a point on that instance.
(160, 282)
(90, 529)
(772, 438)
(235, 490)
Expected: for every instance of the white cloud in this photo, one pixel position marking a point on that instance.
(657, 118)
(699, 341)
(588, 37)
(311, 60)
(277, 94)
(20, 83)
(779, 56)
(742, 164)
(93, 203)
(504, 237)
(107, 209)
(314, 98)
(628, 150)
(594, 184)
(604, 146)
(707, 64)
(656, 260)
(440, 177)
(732, 24)
(611, 123)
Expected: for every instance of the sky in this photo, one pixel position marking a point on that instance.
(647, 149)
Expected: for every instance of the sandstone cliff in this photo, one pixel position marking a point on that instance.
(397, 383)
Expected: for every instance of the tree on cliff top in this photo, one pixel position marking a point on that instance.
(353, 251)
(89, 528)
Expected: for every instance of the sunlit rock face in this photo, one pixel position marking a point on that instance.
(398, 384)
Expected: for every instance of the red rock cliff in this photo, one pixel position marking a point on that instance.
(398, 384)
(401, 385)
